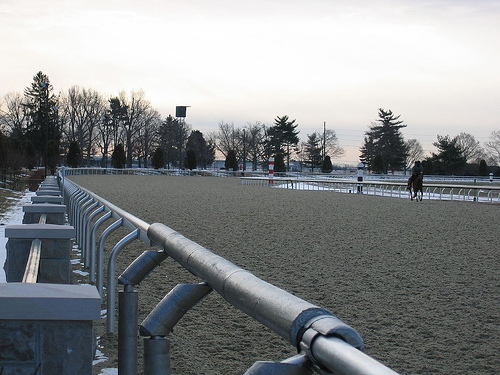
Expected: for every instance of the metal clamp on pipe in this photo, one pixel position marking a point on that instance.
(296, 365)
(326, 326)
(141, 267)
(330, 325)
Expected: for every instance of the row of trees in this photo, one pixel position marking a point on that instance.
(81, 125)
(38, 128)
(385, 149)
(257, 142)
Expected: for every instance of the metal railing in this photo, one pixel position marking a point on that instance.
(325, 343)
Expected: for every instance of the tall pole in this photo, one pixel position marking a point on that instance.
(180, 114)
(324, 140)
(244, 151)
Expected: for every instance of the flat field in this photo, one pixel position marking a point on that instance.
(419, 281)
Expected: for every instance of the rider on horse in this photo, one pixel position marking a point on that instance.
(418, 169)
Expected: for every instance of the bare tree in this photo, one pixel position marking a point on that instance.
(104, 140)
(95, 107)
(414, 152)
(13, 119)
(331, 145)
(82, 111)
(254, 141)
(72, 117)
(147, 135)
(228, 138)
(471, 148)
(131, 111)
(493, 147)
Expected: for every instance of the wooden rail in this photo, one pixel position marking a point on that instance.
(31, 271)
(33, 263)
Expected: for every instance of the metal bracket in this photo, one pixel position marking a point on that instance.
(296, 365)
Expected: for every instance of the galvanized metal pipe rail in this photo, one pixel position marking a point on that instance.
(328, 343)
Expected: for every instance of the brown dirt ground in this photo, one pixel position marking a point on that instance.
(419, 281)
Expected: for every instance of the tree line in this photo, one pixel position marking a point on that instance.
(80, 125)
(384, 149)
(39, 127)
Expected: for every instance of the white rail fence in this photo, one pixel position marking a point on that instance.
(459, 188)
(325, 344)
(432, 189)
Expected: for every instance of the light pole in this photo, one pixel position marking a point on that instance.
(180, 114)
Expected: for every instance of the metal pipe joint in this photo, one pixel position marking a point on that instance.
(326, 326)
(163, 318)
(141, 267)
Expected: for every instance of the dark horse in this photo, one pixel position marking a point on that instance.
(416, 187)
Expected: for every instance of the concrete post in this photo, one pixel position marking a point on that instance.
(55, 259)
(47, 328)
(55, 213)
(47, 199)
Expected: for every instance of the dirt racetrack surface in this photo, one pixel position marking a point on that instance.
(419, 281)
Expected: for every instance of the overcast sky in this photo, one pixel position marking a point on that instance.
(436, 63)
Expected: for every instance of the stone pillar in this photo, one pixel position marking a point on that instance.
(47, 328)
(48, 191)
(55, 259)
(47, 199)
(55, 213)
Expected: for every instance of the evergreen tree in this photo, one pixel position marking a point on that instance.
(326, 166)
(283, 136)
(203, 151)
(428, 166)
(118, 157)
(279, 163)
(4, 145)
(173, 135)
(378, 165)
(385, 139)
(158, 159)
(191, 159)
(43, 119)
(313, 151)
(73, 157)
(450, 158)
(30, 155)
(483, 168)
(51, 156)
(231, 162)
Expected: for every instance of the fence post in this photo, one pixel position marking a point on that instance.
(128, 302)
(360, 177)
(271, 171)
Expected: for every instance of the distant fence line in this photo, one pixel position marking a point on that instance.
(400, 176)
(435, 187)
(432, 190)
